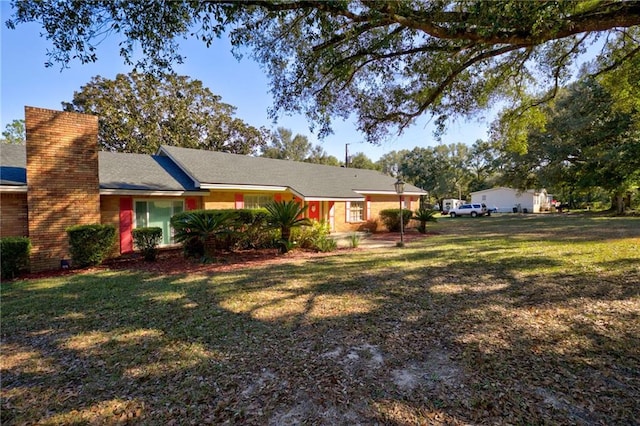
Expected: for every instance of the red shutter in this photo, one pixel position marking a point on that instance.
(191, 203)
(126, 224)
(277, 198)
(239, 201)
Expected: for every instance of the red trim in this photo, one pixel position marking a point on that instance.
(277, 197)
(239, 201)
(191, 204)
(126, 224)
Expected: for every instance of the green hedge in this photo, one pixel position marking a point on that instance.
(238, 229)
(90, 244)
(15, 255)
(391, 218)
(147, 241)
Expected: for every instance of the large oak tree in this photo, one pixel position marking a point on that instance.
(386, 62)
(138, 112)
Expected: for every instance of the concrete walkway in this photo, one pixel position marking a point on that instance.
(369, 240)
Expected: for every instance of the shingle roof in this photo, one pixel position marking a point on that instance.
(141, 172)
(306, 179)
(118, 171)
(13, 165)
(175, 169)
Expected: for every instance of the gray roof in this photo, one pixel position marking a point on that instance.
(118, 171)
(13, 165)
(184, 169)
(306, 179)
(141, 172)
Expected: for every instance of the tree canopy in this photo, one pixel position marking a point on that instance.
(385, 62)
(14, 133)
(284, 146)
(138, 112)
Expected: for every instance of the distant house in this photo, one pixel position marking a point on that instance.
(59, 179)
(508, 200)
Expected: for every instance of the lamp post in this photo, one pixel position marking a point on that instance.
(399, 185)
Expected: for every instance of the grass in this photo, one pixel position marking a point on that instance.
(500, 320)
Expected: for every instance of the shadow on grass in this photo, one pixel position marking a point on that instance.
(481, 335)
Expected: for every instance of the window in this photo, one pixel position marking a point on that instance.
(256, 201)
(158, 213)
(356, 211)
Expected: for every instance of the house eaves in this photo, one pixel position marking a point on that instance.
(219, 170)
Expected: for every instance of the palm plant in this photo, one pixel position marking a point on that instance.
(423, 216)
(286, 215)
(203, 228)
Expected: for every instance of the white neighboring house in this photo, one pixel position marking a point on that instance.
(508, 199)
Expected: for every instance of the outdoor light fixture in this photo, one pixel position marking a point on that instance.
(399, 185)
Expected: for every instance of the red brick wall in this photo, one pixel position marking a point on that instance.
(62, 175)
(14, 217)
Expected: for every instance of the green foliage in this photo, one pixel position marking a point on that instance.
(200, 230)
(424, 216)
(285, 146)
(391, 218)
(361, 161)
(285, 216)
(326, 244)
(90, 244)
(14, 255)
(385, 63)
(354, 240)
(147, 241)
(14, 133)
(203, 231)
(140, 112)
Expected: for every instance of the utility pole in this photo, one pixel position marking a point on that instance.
(346, 155)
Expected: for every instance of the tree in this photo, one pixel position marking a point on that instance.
(285, 146)
(361, 161)
(139, 112)
(14, 132)
(586, 143)
(387, 62)
(390, 163)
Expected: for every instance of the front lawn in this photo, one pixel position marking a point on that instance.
(500, 320)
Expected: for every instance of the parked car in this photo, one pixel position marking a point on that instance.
(472, 210)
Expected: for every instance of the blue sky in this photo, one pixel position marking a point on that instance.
(26, 81)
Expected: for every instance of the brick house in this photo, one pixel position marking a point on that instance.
(59, 179)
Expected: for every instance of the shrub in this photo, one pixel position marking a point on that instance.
(244, 228)
(354, 240)
(391, 218)
(424, 216)
(286, 216)
(15, 255)
(370, 225)
(306, 236)
(90, 244)
(147, 241)
(200, 230)
(325, 244)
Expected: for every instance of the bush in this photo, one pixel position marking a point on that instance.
(424, 216)
(241, 228)
(15, 255)
(147, 241)
(325, 244)
(306, 236)
(90, 244)
(391, 218)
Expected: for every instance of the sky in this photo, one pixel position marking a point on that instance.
(25, 81)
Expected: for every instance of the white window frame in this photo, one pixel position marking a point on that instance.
(355, 211)
(256, 201)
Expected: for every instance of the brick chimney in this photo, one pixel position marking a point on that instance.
(62, 179)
